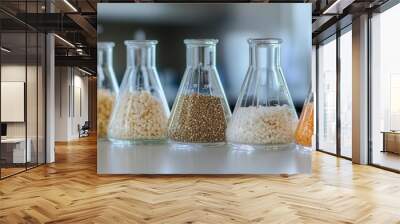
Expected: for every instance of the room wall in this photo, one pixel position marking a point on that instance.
(17, 73)
(69, 112)
(62, 81)
(92, 109)
(79, 115)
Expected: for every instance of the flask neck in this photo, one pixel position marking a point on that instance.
(105, 73)
(141, 56)
(104, 57)
(200, 55)
(265, 55)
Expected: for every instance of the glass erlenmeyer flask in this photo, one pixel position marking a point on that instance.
(305, 128)
(200, 112)
(141, 111)
(107, 86)
(264, 113)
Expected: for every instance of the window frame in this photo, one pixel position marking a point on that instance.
(334, 37)
(371, 14)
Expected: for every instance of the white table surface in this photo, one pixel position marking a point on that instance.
(170, 158)
(19, 152)
(13, 140)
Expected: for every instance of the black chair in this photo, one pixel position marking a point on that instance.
(84, 130)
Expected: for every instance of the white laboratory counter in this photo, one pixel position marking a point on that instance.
(170, 158)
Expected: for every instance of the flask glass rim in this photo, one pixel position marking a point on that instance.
(103, 45)
(201, 42)
(140, 43)
(264, 41)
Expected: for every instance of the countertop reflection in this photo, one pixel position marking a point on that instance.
(172, 158)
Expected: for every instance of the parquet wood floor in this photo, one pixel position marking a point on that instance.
(5, 172)
(70, 191)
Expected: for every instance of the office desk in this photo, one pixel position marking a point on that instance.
(13, 150)
(391, 141)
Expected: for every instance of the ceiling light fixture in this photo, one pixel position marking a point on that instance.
(70, 5)
(84, 71)
(337, 7)
(5, 49)
(64, 40)
(79, 51)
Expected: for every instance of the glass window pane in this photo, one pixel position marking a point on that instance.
(385, 84)
(327, 97)
(41, 98)
(31, 89)
(346, 94)
(23, 85)
(14, 153)
(31, 97)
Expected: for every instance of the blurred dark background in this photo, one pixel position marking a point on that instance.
(232, 24)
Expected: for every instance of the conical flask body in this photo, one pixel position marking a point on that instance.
(107, 87)
(200, 112)
(305, 128)
(141, 112)
(264, 113)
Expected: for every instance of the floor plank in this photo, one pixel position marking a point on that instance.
(70, 191)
